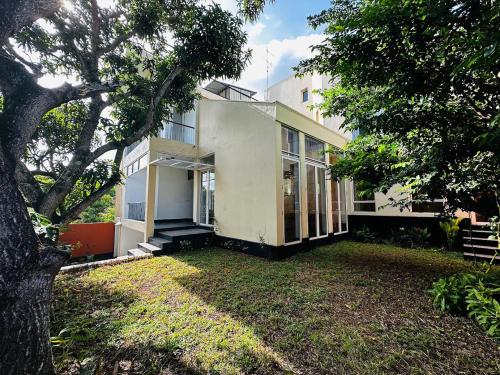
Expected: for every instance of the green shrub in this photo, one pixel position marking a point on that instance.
(451, 228)
(482, 305)
(449, 293)
(413, 237)
(365, 234)
(470, 294)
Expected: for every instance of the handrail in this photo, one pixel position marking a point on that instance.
(178, 132)
(178, 123)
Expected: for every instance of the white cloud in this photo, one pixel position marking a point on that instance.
(254, 31)
(297, 48)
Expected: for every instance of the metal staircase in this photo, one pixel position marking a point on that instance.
(477, 244)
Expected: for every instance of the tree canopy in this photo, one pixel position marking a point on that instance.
(146, 57)
(420, 81)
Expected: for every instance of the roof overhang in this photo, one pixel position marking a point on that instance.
(176, 161)
(217, 87)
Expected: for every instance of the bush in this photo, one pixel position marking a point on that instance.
(451, 229)
(470, 294)
(449, 293)
(414, 237)
(365, 234)
(483, 306)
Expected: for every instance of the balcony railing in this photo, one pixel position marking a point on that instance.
(179, 132)
(130, 148)
(136, 211)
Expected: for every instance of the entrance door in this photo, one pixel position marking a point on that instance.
(316, 201)
(207, 198)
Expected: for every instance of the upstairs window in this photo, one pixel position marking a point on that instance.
(434, 206)
(305, 95)
(289, 141)
(315, 150)
(363, 202)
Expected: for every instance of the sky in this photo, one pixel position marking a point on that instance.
(283, 30)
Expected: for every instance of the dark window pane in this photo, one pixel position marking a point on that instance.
(291, 200)
(364, 206)
(315, 149)
(427, 206)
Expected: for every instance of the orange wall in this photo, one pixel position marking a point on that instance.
(89, 239)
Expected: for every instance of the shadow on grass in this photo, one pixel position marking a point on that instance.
(341, 308)
(87, 319)
(344, 309)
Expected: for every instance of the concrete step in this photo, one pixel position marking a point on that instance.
(136, 252)
(483, 257)
(480, 249)
(479, 239)
(162, 243)
(185, 234)
(174, 225)
(476, 233)
(146, 247)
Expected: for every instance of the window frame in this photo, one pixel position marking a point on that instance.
(295, 159)
(439, 200)
(321, 161)
(304, 92)
(287, 152)
(361, 201)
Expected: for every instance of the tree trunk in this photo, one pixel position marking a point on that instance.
(24, 325)
(26, 276)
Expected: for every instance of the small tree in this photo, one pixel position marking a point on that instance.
(137, 60)
(101, 211)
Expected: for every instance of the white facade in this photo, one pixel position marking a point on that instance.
(222, 165)
(301, 94)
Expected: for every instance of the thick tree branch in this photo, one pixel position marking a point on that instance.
(40, 172)
(148, 123)
(67, 92)
(73, 213)
(116, 42)
(36, 68)
(19, 13)
(81, 159)
(29, 186)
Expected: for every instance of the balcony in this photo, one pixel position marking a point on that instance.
(136, 211)
(176, 131)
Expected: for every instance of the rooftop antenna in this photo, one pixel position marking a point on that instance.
(268, 66)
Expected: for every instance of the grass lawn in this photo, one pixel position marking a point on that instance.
(346, 308)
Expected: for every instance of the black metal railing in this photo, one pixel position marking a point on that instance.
(176, 131)
(136, 211)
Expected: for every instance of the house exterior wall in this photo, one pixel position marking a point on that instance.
(174, 194)
(244, 141)
(289, 92)
(135, 190)
(306, 127)
(245, 138)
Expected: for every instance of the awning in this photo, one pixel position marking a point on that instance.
(176, 161)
